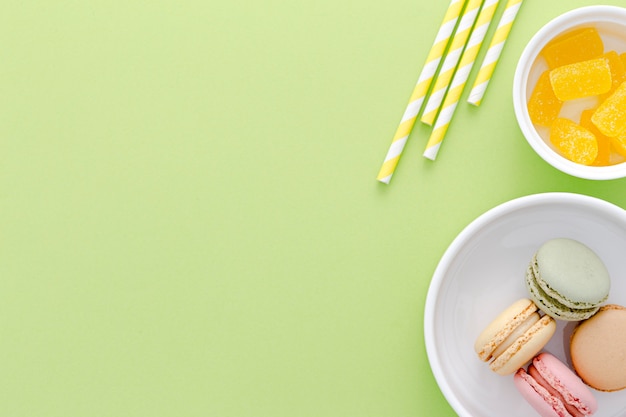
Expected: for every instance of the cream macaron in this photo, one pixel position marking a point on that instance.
(514, 337)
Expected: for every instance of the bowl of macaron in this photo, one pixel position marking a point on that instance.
(526, 311)
(569, 92)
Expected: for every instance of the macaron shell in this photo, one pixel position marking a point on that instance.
(524, 347)
(572, 273)
(598, 349)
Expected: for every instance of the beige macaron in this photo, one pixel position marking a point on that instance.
(598, 349)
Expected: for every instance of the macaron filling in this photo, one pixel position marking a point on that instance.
(516, 334)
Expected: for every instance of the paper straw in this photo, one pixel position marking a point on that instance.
(493, 53)
(460, 78)
(452, 59)
(421, 89)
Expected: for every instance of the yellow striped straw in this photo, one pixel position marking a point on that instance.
(460, 78)
(493, 53)
(452, 59)
(421, 89)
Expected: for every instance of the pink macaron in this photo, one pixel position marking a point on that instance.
(553, 389)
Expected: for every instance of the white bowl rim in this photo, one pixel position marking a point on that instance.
(461, 239)
(568, 20)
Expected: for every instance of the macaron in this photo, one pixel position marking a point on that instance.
(553, 389)
(514, 337)
(567, 280)
(598, 349)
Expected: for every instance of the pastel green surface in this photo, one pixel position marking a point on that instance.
(190, 222)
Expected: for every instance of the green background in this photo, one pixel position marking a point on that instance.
(190, 223)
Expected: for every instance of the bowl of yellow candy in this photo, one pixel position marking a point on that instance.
(569, 92)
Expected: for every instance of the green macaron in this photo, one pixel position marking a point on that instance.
(567, 280)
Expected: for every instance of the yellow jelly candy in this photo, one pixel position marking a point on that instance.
(619, 144)
(610, 116)
(617, 70)
(581, 79)
(543, 106)
(622, 56)
(578, 45)
(604, 145)
(574, 141)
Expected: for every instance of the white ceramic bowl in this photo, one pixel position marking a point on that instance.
(611, 24)
(482, 272)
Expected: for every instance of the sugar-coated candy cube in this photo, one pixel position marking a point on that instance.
(578, 45)
(573, 141)
(543, 106)
(617, 71)
(622, 56)
(604, 144)
(610, 116)
(581, 79)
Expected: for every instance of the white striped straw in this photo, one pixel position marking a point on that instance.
(460, 78)
(493, 53)
(421, 89)
(452, 59)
